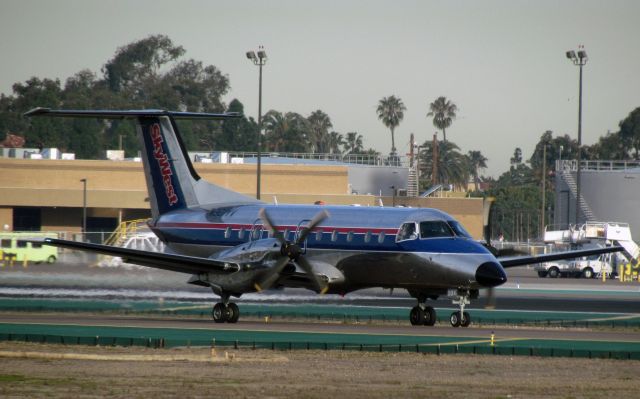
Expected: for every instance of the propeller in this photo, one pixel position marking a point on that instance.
(290, 251)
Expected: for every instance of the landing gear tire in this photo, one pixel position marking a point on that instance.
(429, 316)
(220, 313)
(417, 316)
(454, 319)
(466, 320)
(234, 313)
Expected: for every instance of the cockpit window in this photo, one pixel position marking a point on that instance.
(407, 232)
(458, 229)
(435, 228)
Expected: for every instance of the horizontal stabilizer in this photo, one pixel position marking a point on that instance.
(122, 114)
(158, 260)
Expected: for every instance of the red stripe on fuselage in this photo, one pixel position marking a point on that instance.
(235, 226)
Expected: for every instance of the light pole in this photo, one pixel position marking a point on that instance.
(260, 59)
(84, 208)
(579, 59)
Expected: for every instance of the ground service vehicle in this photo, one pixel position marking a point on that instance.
(15, 247)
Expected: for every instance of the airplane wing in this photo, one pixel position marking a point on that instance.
(158, 260)
(528, 260)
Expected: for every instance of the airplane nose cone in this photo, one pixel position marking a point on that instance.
(490, 274)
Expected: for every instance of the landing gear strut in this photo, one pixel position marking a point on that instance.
(461, 318)
(422, 315)
(225, 311)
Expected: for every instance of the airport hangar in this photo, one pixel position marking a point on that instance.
(48, 195)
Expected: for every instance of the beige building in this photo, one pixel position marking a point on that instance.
(48, 194)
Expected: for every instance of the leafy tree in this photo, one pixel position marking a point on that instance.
(391, 112)
(135, 64)
(612, 146)
(630, 130)
(443, 112)
(516, 159)
(237, 134)
(476, 161)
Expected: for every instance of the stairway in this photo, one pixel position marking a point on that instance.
(584, 207)
(412, 183)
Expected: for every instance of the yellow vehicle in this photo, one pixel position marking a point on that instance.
(14, 248)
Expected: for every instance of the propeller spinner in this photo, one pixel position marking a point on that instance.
(290, 252)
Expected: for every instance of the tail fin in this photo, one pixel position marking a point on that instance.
(172, 181)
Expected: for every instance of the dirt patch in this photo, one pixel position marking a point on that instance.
(304, 374)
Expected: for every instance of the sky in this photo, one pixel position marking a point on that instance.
(501, 62)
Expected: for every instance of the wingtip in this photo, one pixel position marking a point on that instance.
(37, 111)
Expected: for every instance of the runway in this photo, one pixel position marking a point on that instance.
(547, 314)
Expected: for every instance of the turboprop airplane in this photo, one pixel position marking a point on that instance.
(235, 244)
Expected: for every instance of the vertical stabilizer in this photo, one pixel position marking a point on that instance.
(172, 181)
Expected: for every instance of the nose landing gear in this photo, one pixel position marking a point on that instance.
(461, 318)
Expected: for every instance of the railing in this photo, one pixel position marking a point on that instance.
(571, 165)
(359, 159)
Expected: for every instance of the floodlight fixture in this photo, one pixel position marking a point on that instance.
(251, 55)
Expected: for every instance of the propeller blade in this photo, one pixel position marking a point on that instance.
(266, 221)
(320, 216)
(271, 276)
(320, 285)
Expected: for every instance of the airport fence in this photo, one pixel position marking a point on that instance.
(427, 349)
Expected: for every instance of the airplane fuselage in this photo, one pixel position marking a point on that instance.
(354, 248)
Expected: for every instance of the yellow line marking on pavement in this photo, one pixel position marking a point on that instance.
(623, 317)
(184, 308)
(480, 341)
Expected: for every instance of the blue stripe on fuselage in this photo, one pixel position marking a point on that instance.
(200, 227)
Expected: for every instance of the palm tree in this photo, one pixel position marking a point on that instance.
(452, 166)
(335, 140)
(353, 143)
(391, 112)
(285, 132)
(319, 125)
(476, 161)
(443, 112)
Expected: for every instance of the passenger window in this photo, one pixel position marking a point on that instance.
(241, 233)
(407, 232)
(381, 237)
(227, 232)
(319, 236)
(350, 236)
(435, 228)
(36, 245)
(5, 243)
(21, 244)
(367, 236)
(334, 236)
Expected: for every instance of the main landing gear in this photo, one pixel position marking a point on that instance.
(225, 311)
(422, 315)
